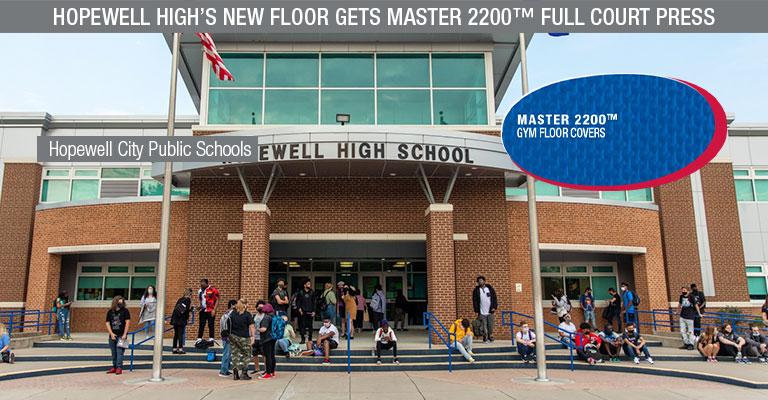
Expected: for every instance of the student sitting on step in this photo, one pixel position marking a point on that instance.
(327, 340)
(708, 345)
(756, 344)
(386, 339)
(526, 342)
(463, 338)
(634, 344)
(587, 344)
(612, 342)
(731, 344)
(5, 346)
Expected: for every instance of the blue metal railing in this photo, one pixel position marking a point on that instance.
(670, 318)
(27, 319)
(147, 328)
(349, 342)
(444, 337)
(571, 335)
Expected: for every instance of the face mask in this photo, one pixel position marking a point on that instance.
(609, 330)
(151, 291)
(623, 289)
(526, 329)
(120, 305)
(327, 324)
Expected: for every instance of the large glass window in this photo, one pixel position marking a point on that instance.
(292, 70)
(460, 107)
(80, 184)
(105, 281)
(347, 70)
(402, 70)
(751, 184)
(404, 107)
(756, 281)
(237, 107)
(458, 70)
(385, 88)
(247, 68)
(357, 103)
(291, 107)
(575, 278)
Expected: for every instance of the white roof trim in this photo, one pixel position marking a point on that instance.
(592, 248)
(104, 248)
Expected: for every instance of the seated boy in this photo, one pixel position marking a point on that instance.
(526, 342)
(634, 344)
(756, 344)
(612, 342)
(587, 344)
(385, 339)
(327, 340)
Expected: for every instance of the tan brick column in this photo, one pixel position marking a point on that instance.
(43, 282)
(254, 273)
(441, 272)
(20, 194)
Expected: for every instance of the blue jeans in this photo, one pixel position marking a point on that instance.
(283, 345)
(62, 319)
(330, 311)
(526, 352)
(631, 353)
(589, 316)
(117, 353)
(226, 357)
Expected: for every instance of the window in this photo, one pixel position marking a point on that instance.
(546, 189)
(374, 88)
(751, 184)
(105, 281)
(756, 281)
(574, 278)
(81, 184)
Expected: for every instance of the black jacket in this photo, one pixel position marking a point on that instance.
(476, 298)
(181, 311)
(306, 301)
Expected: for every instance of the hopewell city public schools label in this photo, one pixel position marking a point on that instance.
(614, 132)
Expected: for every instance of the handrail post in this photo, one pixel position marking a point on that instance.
(429, 330)
(50, 322)
(450, 352)
(37, 326)
(10, 324)
(570, 348)
(133, 346)
(349, 343)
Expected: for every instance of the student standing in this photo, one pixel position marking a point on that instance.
(378, 306)
(241, 338)
(208, 297)
(628, 302)
(687, 310)
(118, 322)
(179, 319)
(305, 305)
(330, 300)
(62, 315)
(226, 329)
(613, 310)
(349, 299)
(587, 301)
(148, 307)
(485, 303)
(279, 298)
(360, 300)
(268, 341)
(561, 304)
(700, 301)
(257, 348)
(401, 310)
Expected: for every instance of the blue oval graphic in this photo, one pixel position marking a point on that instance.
(614, 132)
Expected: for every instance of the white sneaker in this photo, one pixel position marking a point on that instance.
(650, 360)
(471, 360)
(636, 360)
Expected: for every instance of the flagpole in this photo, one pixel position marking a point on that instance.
(165, 222)
(533, 233)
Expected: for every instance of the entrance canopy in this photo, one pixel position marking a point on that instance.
(354, 151)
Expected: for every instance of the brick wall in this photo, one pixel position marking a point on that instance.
(20, 194)
(577, 223)
(254, 274)
(102, 224)
(724, 231)
(441, 269)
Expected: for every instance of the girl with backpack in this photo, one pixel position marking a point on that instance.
(179, 319)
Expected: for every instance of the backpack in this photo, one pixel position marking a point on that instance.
(56, 304)
(211, 356)
(278, 327)
(224, 323)
(635, 299)
(180, 308)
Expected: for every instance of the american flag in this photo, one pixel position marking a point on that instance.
(217, 63)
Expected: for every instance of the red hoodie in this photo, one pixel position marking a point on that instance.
(582, 339)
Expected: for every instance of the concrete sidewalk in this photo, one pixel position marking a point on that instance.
(486, 384)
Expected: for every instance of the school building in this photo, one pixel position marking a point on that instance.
(413, 191)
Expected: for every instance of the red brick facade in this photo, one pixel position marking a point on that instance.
(21, 191)
(496, 230)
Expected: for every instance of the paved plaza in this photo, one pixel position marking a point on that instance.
(480, 384)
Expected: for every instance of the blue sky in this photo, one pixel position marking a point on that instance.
(128, 73)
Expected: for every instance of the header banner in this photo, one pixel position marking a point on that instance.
(378, 16)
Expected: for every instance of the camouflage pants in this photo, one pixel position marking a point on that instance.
(241, 352)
